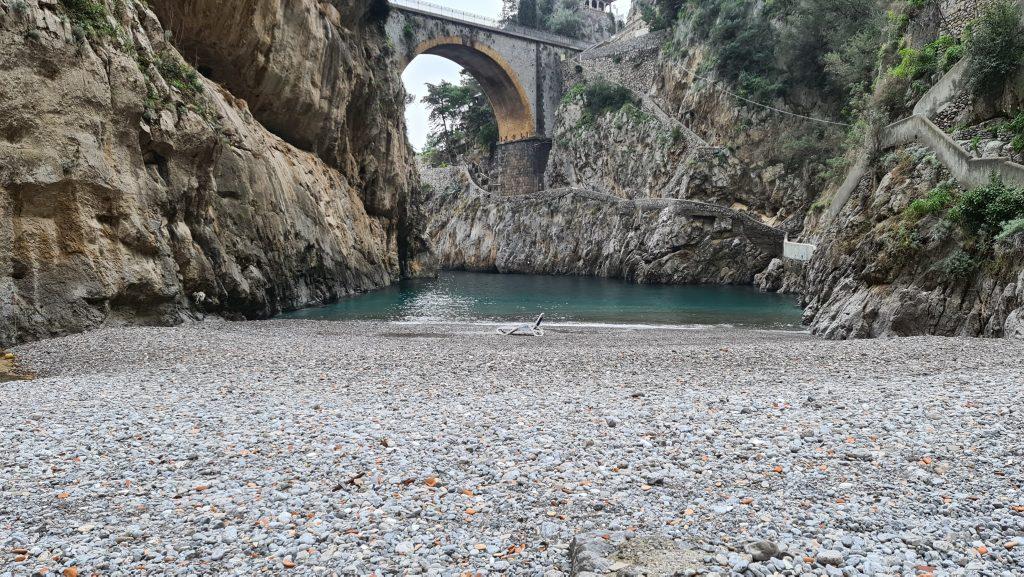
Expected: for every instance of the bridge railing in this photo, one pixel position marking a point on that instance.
(487, 22)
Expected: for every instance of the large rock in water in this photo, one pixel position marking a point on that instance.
(132, 190)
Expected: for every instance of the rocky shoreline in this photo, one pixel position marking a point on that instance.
(326, 448)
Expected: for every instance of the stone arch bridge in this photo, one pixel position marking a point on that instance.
(519, 69)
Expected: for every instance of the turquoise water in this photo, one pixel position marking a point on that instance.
(474, 297)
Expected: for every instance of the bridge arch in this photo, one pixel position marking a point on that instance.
(499, 81)
(520, 71)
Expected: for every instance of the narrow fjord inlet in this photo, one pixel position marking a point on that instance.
(459, 297)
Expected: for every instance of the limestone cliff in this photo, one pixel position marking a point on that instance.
(134, 190)
(888, 267)
(922, 241)
(632, 153)
(632, 193)
(581, 232)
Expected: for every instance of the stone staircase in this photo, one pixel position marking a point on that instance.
(918, 128)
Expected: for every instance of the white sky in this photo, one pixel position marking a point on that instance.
(434, 69)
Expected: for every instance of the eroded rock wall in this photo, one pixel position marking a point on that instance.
(580, 232)
(132, 190)
(883, 270)
(631, 153)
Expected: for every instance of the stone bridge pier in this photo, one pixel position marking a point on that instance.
(519, 69)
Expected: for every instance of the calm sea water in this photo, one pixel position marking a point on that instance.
(474, 297)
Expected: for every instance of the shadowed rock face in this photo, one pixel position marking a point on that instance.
(316, 73)
(879, 272)
(132, 193)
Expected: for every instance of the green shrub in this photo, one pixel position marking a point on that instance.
(566, 23)
(177, 73)
(602, 97)
(935, 57)
(986, 209)
(937, 201)
(743, 42)
(994, 47)
(1016, 129)
(576, 91)
(661, 14)
(960, 266)
(891, 96)
(677, 135)
(757, 87)
(88, 16)
(1011, 229)
(556, 16)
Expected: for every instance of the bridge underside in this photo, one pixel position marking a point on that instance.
(521, 77)
(506, 94)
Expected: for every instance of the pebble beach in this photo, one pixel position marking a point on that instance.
(339, 448)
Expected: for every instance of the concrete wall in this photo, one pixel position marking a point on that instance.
(968, 171)
(798, 251)
(944, 91)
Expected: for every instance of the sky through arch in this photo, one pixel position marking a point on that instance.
(433, 69)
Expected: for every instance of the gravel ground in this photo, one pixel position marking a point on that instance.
(314, 448)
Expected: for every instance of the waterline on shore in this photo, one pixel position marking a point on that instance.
(569, 325)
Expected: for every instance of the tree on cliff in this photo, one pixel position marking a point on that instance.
(557, 16)
(463, 127)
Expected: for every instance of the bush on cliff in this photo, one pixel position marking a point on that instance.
(985, 210)
(556, 16)
(601, 97)
(994, 47)
(937, 201)
(89, 18)
(1011, 229)
(661, 14)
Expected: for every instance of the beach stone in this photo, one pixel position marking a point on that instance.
(762, 550)
(230, 535)
(487, 467)
(830, 557)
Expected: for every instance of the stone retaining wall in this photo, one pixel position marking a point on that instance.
(957, 14)
(968, 171)
(519, 166)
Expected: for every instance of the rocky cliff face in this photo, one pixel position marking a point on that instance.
(134, 190)
(591, 152)
(883, 269)
(778, 181)
(581, 232)
(632, 195)
(633, 154)
(897, 260)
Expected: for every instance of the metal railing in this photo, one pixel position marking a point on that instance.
(490, 23)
